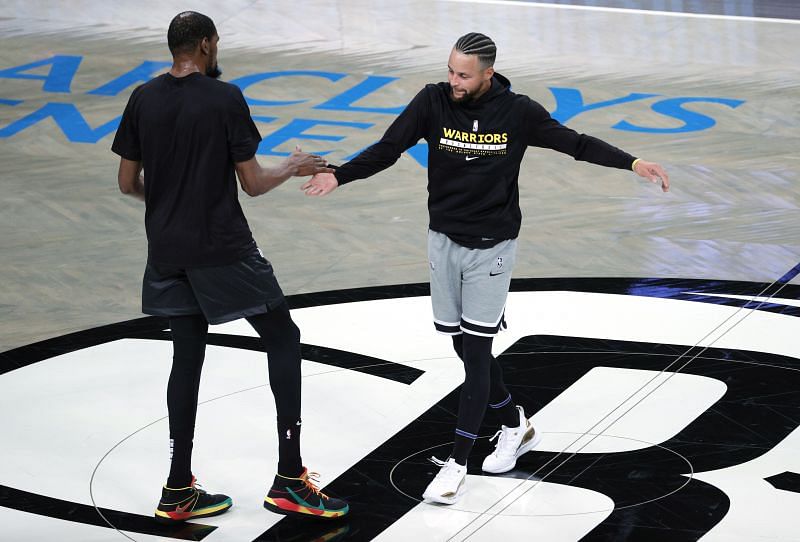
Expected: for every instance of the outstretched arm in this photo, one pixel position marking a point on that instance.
(257, 180)
(403, 133)
(545, 131)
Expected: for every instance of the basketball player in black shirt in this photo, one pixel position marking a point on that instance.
(477, 132)
(193, 136)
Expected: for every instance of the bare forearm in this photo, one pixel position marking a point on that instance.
(130, 179)
(257, 180)
(138, 189)
(268, 178)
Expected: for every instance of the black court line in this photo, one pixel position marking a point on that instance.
(153, 328)
(58, 346)
(32, 503)
(679, 289)
(670, 288)
(667, 288)
(320, 354)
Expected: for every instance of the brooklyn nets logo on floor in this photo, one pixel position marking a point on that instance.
(649, 433)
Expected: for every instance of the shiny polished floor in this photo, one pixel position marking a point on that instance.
(652, 337)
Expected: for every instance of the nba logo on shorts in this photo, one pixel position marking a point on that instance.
(474, 125)
(499, 263)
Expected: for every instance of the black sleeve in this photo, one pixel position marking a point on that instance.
(545, 131)
(126, 141)
(403, 133)
(243, 136)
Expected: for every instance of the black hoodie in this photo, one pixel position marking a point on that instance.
(474, 153)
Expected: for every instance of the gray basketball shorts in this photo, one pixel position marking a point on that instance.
(469, 286)
(221, 293)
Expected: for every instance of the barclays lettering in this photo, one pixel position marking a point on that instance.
(56, 74)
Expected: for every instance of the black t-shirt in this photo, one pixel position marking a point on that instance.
(188, 132)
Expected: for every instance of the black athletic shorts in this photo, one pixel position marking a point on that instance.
(220, 293)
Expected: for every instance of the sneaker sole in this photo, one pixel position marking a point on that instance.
(166, 518)
(525, 448)
(446, 500)
(312, 513)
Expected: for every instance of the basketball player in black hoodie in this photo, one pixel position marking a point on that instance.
(477, 131)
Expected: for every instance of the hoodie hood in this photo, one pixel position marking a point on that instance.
(500, 86)
(503, 84)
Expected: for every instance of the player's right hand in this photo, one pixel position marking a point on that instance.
(320, 184)
(303, 164)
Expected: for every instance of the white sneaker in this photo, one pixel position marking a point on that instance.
(512, 443)
(449, 483)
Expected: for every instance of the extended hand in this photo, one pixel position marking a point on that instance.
(302, 164)
(320, 184)
(653, 172)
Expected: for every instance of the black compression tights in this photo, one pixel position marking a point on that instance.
(189, 347)
(280, 337)
(483, 384)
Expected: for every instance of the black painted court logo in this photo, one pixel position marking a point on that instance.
(644, 482)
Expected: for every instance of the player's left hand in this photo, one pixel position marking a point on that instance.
(653, 172)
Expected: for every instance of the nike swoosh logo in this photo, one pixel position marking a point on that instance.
(472, 158)
(320, 506)
(182, 509)
(495, 274)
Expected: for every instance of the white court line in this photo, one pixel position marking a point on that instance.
(775, 300)
(520, 3)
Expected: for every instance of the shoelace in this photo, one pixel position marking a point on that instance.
(503, 441)
(309, 479)
(199, 487)
(445, 473)
(436, 461)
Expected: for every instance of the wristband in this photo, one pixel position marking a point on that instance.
(633, 165)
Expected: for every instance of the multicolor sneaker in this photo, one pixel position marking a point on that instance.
(300, 497)
(449, 484)
(512, 442)
(189, 503)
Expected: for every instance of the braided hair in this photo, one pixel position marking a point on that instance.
(187, 30)
(477, 44)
